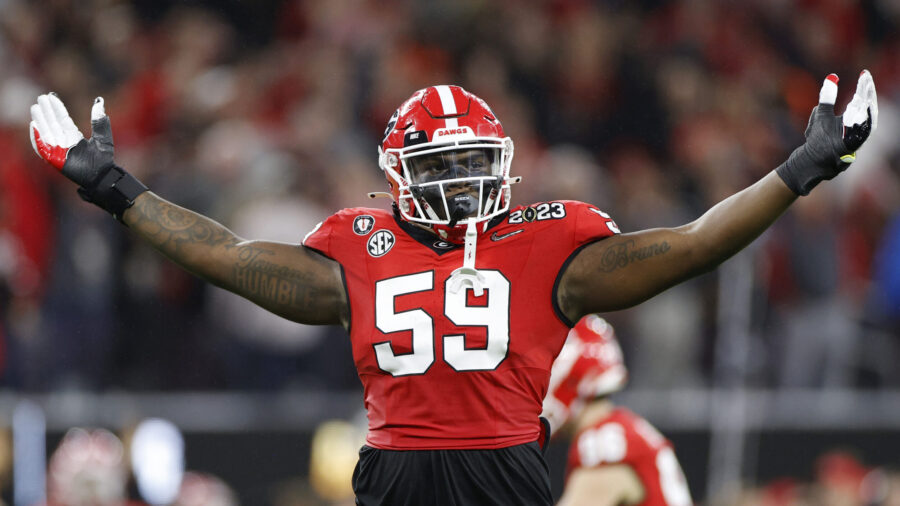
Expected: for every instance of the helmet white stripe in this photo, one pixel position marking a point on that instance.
(447, 104)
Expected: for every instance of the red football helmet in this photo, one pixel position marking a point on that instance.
(589, 365)
(446, 159)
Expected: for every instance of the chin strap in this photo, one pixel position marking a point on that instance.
(468, 276)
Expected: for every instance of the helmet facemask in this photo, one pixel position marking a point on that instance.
(442, 185)
(447, 161)
(451, 185)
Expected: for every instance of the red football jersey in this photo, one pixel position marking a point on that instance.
(625, 438)
(445, 369)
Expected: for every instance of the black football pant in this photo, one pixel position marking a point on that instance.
(517, 475)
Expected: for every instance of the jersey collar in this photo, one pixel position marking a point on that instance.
(433, 242)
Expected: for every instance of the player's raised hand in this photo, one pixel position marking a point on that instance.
(832, 141)
(57, 140)
(87, 162)
(860, 118)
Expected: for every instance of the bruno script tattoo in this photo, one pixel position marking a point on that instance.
(620, 255)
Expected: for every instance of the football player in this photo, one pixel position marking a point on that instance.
(616, 457)
(456, 304)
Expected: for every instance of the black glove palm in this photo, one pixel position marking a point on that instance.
(831, 141)
(90, 159)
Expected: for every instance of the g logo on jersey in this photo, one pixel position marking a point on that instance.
(380, 243)
(363, 224)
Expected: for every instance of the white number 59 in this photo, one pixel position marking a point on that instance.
(494, 317)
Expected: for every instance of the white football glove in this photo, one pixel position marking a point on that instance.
(87, 162)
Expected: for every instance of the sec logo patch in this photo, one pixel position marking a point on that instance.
(363, 224)
(380, 243)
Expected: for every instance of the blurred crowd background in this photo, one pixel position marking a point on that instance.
(266, 115)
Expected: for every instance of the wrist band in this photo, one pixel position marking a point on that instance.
(114, 192)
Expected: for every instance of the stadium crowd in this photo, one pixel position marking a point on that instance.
(653, 110)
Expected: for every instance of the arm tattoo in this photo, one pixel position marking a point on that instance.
(171, 228)
(282, 286)
(620, 255)
(176, 231)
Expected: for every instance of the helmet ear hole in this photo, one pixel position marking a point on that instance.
(392, 160)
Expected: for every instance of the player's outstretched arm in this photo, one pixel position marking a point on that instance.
(627, 269)
(289, 280)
